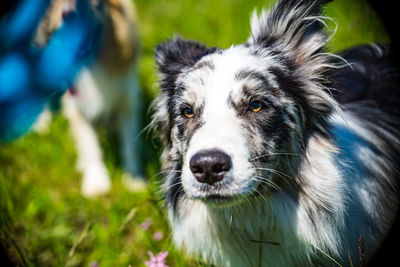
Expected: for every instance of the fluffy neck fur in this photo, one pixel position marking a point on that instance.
(280, 229)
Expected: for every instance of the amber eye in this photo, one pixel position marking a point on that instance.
(256, 106)
(188, 112)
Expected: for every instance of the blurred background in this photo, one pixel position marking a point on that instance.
(45, 221)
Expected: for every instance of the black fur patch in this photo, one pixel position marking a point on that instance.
(174, 186)
(174, 56)
(370, 77)
(203, 65)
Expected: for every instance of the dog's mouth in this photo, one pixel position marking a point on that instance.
(227, 193)
(220, 200)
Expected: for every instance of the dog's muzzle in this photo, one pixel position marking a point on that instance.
(210, 166)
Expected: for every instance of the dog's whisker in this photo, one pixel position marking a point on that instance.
(179, 191)
(282, 175)
(142, 131)
(274, 154)
(170, 186)
(268, 182)
(259, 193)
(163, 172)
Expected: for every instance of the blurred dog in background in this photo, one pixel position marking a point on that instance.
(105, 91)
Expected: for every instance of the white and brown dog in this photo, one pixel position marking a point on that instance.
(106, 90)
(265, 167)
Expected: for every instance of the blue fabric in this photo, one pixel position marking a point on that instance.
(30, 76)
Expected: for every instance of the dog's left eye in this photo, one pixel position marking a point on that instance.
(255, 106)
(188, 112)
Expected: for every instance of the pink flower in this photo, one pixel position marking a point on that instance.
(158, 260)
(158, 236)
(146, 224)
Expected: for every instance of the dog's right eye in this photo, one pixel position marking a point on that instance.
(188, 112)
(255, 106)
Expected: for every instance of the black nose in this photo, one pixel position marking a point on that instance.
(210, 166)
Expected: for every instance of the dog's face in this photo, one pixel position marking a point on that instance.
(234, 121)
(229, 115)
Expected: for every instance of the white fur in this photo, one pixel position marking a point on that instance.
(229, 138)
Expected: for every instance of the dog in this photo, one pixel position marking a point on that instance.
(276, 152)
(106, 91)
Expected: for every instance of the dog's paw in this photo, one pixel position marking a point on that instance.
(133, 183)
(42, 124)
(96, 180)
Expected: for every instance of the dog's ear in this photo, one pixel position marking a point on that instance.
(292, 26)
(172, 57)
(293, 32)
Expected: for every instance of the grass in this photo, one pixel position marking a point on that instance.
(44, 221)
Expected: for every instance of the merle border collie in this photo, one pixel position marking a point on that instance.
(278, 153)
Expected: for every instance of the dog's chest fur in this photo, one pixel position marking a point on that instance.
(275, 230)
